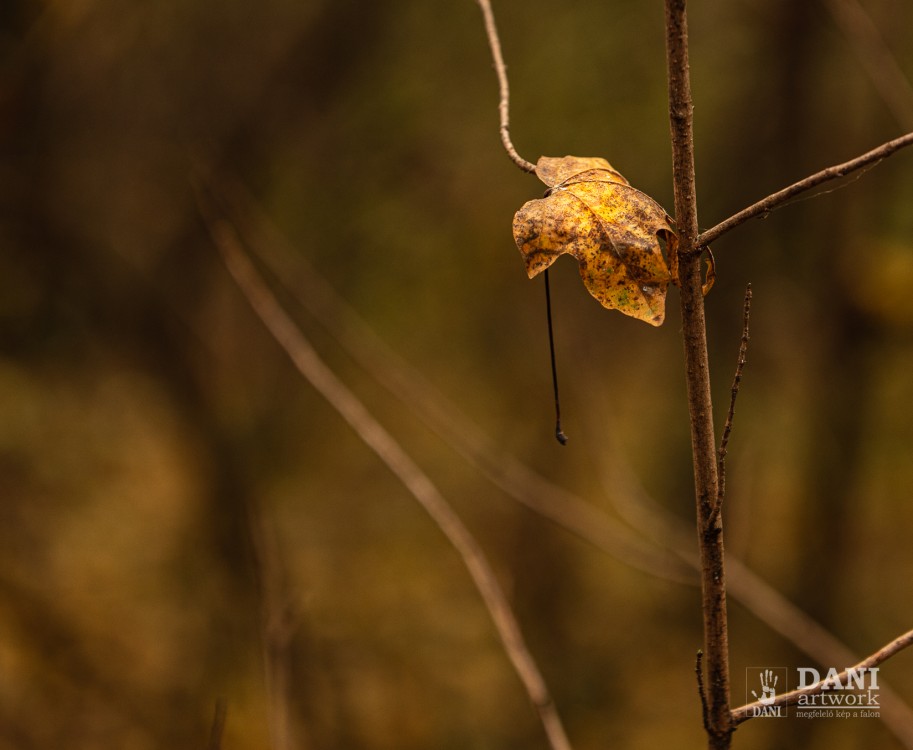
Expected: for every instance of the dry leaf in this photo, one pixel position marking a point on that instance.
(591, 212)
(710, 277)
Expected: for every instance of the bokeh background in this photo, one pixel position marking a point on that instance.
(153, 435)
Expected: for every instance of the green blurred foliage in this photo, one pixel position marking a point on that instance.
(144, 411)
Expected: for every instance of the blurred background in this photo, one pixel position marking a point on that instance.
(186, 523)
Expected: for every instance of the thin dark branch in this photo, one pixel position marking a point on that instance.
(400, 463)
(766, 205)
(770, 606)
(516, 479)
(414, 391)
(494, 43)
(733, 395)
(697, 376)
(743, 713)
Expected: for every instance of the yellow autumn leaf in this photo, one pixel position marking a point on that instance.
(592, 213)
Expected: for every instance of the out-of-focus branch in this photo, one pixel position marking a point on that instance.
(771, 607)
(218, 725)
(278, 622)
(764, 206)
(382, 443)
(665, 550)
(408, 385)
(876, 57)
(748, 711)
(494, 43)
(891, 83)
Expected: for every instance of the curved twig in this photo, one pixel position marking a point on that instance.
(775, 200)
(400, 463)
(494, 43)
(406, 383)
(754, 593)
(666, 549)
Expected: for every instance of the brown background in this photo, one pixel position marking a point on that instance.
(144, 410)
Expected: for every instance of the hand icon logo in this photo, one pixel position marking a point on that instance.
(768, 688)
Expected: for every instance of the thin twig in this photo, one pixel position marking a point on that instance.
(733, 395)
(524, 484)
(519, 481)
(379, 440)
(432, 407)
(697, 376)
(747, 711)
(494, 43)
(764, 206)
(744, 585)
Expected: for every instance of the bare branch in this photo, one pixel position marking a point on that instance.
(754, 593)
(494, 43)
(524, 484)
(697, 372)
(733, 395)
(763, 207)
(743, 713)
(376, 437)
(432, 407)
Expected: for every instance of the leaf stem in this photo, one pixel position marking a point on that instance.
(398, 461)
(559, 433)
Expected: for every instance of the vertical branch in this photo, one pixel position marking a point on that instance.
(697, 370)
